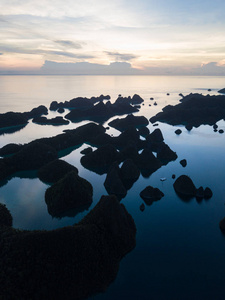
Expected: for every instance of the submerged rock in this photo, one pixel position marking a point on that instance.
(73, 262)
(70, 192)
(55, 170)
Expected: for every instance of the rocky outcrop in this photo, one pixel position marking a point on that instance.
(130, 120)
(55, 170)
(165, 154)
(10, 149)
(147, 162)
(150, 194)
(53, 121)
(222, 91)
(193, 111)
(70, 192)
(222, 225)
(186, 189)
(73, 262)
(113, 183)
(101, 159)
(5, 216)
(129, 173)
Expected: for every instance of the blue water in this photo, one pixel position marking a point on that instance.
(180, 248)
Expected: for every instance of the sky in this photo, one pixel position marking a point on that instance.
(156, 37)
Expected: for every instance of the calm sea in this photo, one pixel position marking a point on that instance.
(180, 251)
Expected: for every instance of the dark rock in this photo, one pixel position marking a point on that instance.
(35, 112)
(147, 162)
(222, 91)
(10, 119)
(184, 187)
(101, 159)
(130, 120)
(183, 163)
(151, 98)
(86, 150)
(168, 94)
(222, 225)
(60, 110)
(70, 192)
(207, 193)
(215, 126)
(5, 216)
(129, 173)
(194, 110)
(165, 154)
(199, 193)
(178, 131)
(54, 121)
(221, 131)
(150, 194)
(209, 90)
(101, 140)
(65, 262)
(128, 137)
(188, 127)
(113, 182)
(55, 170)
(173, 176)
(10, 149)
(136, 99)
(155, 103)
(142, 207)
(143, 131)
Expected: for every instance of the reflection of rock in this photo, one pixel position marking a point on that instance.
(113, 182)
(73, 262)
(130, 120)
(101, 159)
(150, 194)
(184, 187)
(70, 192)
(55, 170)
(5, 216)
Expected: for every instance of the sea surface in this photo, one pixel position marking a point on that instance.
(180, 251)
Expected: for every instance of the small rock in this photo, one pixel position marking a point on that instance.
(173, 176)
(183, 163)
(207, 193)
(221, 131)
(142, 207)
(178, 131)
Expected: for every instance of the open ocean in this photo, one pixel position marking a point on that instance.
(180, 250)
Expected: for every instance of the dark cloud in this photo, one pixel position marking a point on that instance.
(1, 53)
(121, 56)
(70, 44)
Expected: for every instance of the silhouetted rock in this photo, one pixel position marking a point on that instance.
(54, 121)
(86, 150)
(55, 170)
(154, 140)
(10, 149)
(128, 137)
(101, 140)
(136, 99)
(173, 176)
(10, 119)
(222, 91)
(194, 110)
(5, 216)
(65, 262)
(113, 182)
(70, 192)
(143, 131)
(147, 162)
(221, 131)
(150, 194)
(199, 193)
(183, 163)
(184, 187)
(207, 193)
(101, 159)
(222, 225)
(178, 131)
(128, 121)
(35, 112)
(129, 173)
(60, 110)
(165, 154)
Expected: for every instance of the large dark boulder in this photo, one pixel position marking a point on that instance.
(70, 192)
(55, 170)
(5, 216)
(154, 140)
(101, 159)
(129, 173)
(148, 163)
(113, 182)
(136, 99)
(130, 120)
(165, 154)
(184, 187)
(151, 194)
(73, 262)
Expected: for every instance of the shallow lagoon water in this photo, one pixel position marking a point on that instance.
(180, 248)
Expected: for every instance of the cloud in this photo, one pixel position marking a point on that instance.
(121, 56)
(1, 53)
(70, 44)
(85, 68)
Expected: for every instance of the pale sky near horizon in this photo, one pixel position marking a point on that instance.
(149, 34)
